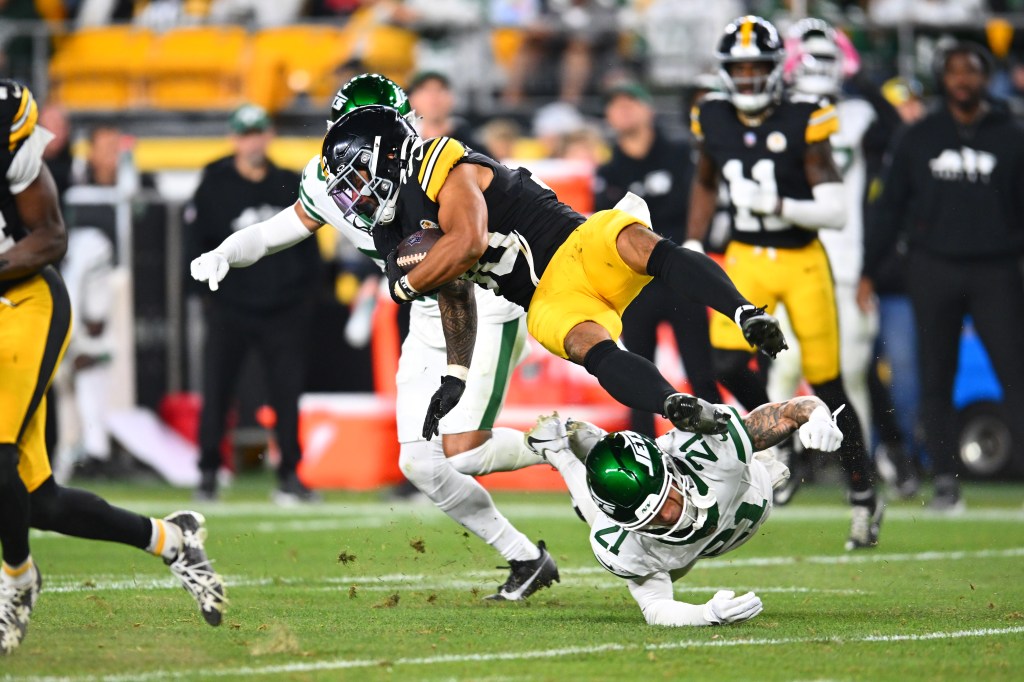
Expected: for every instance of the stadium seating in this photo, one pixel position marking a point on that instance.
(197, 68)
(295, 60)
(100, 68)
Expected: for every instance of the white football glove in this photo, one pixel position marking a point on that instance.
(820, 432)
(210, 267)
(752, 196)
(726, 607)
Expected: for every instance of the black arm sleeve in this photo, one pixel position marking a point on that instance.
(695, 276)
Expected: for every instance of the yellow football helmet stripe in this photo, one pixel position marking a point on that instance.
(24, 120)
(746, 31)
(441, 156)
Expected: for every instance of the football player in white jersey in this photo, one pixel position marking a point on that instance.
(656, 507)
(470, 445)
(818, 65)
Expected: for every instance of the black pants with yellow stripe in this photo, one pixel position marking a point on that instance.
(35, 325)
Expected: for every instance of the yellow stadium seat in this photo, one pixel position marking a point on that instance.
(197, 68)
(99, 68)
(294, 60)
(390, 51)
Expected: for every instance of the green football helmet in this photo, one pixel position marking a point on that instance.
(630, 478)
(366, 89)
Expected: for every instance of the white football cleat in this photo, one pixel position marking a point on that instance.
(547, 435)
(15, 609)
(583, 436)
(192, 567)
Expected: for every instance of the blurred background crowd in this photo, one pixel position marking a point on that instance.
(143, 94)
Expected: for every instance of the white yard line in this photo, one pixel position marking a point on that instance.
(470, 579)
(521, 510)
(342, 663)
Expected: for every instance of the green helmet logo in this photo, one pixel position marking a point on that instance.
(627, 477)
(366, 89)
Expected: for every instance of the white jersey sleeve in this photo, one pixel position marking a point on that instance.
(28, 161)
(721, 466)
(845, 247)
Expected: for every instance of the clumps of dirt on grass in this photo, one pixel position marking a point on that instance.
(353, 592)
(389, 603)
(344, 558)
(279, 640)
(418, 545)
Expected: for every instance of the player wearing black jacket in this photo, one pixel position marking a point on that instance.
(955, 178)
(268, 308)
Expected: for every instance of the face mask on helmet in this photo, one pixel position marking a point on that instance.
(750, 64)
(368, 89)
(817, 63)
(631, 480)
(367, 156)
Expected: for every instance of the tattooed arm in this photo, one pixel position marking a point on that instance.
(773, 422)
(458, 320)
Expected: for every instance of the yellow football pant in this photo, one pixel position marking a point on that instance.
(35, 325)
(586, 280)
(800, 279)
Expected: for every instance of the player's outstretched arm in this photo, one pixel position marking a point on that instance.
(47, 240)
(654, 595)
(462, 216)
(248, 245)
(771, 423)
(457, 304)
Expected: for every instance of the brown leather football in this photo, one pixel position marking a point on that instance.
(413, 248)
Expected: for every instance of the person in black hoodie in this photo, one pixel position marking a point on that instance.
(268, 309)
(658, 169)
(955, 181)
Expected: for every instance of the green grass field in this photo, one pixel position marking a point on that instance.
(940, 599)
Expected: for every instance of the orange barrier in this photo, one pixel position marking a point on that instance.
(181, 412)
(348, 441)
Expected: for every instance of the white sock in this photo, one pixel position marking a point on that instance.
(165, 539)
(463, 499)
(505, 450)
(575, 476)
(20, 576)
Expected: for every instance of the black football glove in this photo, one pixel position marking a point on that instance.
(762, 330)
(445, 398)
(395, 281)
(693, 415)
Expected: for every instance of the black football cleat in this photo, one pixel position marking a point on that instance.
(526, 577)
(192, 567)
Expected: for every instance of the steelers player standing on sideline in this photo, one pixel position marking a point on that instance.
(652, 165)
(774, 154)
(35, 325)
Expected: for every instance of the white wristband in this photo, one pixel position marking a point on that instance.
(694, 245)
(458, 371)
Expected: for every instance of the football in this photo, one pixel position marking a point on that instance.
(413, 248)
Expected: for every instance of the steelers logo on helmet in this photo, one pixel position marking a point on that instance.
(750, 58)
(367, 155)
(816, 60)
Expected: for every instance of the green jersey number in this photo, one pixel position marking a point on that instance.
(747, 517)
(613, 546)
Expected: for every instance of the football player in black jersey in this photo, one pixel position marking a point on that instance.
(505, 231)
(773, 152)
(35, 324)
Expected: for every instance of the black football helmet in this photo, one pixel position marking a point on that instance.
(367, 156)
(751, 39)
